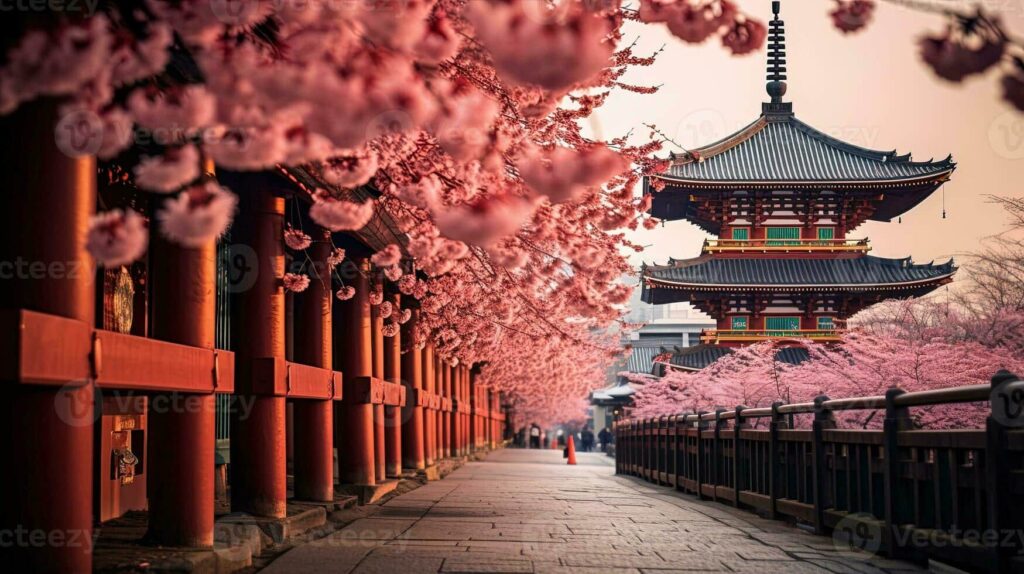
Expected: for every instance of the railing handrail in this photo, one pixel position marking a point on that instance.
(945, 396)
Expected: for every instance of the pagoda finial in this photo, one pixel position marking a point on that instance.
(776, 85)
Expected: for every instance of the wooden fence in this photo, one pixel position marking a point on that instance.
(952, 495)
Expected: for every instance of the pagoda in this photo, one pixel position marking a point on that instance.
(782, 199)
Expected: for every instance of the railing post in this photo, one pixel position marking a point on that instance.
(738, 426)
(701, 469)
(777, 423)
(717, 457)
(997, 471)
(823, 420)
(673, 433)
(896, 419)
(663, 442)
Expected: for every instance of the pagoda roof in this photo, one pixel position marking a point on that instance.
(779, 148)
(737, 273)
(697, 357)
(641, 359)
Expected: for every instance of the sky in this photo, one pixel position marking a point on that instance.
(870, 89)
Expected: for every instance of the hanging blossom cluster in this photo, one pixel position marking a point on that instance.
(464, 116)
(695, 21)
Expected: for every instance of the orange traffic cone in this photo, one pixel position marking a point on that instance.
(572, 451)
(554, 443)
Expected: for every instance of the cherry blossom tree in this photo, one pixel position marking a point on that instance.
(465, 119)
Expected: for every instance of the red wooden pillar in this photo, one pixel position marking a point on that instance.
(496, 429)
(412, 416)
(467, 415)
(182, 440)
(445, 374)
(392, 413)
(430, 416)
(379, 423)
(463, 411)
(258, 466)
(474, 416)
(47, 447)
(353, 347)
(313, 420)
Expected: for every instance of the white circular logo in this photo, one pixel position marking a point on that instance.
(79, 133)
(1006, 135)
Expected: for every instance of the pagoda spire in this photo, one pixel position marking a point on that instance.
(776, 85)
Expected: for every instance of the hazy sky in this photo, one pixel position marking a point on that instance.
(869, 89)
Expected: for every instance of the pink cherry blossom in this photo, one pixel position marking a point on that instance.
(564, 175)
(295, 282)
(440, 41)
(388, 256)
(553, 49)
(117, 237)
(340, 215)
(133, 59)
(336, 257)
(482, 222)
(345, 293)
(178, 111)
(376, 298)
(170, 171)
(745, 36)
(852, 15)
(296, 239)
(351, 170)
(200, 214)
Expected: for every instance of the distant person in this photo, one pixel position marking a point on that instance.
(586, 440)
(605, 436)
(534, 436)
(560, 437)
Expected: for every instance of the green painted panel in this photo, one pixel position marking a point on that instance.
(782, 323)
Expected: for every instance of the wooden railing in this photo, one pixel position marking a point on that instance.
(785, 245)
(715, 336)
(952, 495)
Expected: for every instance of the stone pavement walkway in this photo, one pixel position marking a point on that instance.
(527, 511)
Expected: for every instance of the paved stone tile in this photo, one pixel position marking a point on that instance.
(527, 511)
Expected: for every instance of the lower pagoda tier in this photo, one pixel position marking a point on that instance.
(756, 298)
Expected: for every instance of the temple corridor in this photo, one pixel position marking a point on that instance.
(527, 511)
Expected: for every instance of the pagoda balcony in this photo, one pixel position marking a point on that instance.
(718, 336)
(786, 246)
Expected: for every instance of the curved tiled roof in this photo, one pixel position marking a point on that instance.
(748, 272)
(783, 149)
(641, 359)
(700, 356)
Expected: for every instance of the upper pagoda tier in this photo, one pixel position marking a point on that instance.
(779, 168)
(778, 165)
